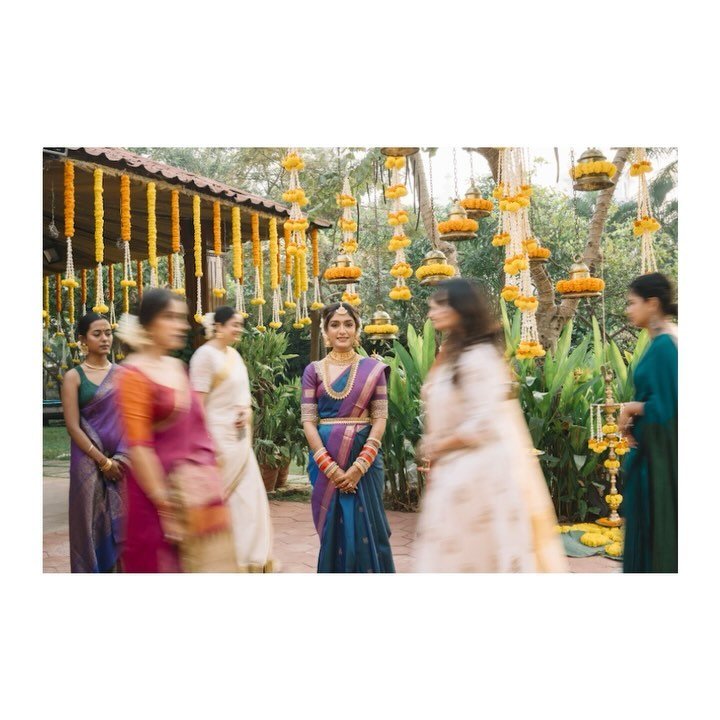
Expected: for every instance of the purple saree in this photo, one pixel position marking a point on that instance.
(353, 528)
(96, 510)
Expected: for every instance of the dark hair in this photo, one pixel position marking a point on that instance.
(225, 313)
(655, 285)
(153, 302)
(83, 326)
(477, 323)
(330, 310)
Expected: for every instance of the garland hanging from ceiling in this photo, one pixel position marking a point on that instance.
(152, 235)
(125, 232)
(238, 261)
(100, 306)
(175, 280)
(216, 269)
(397, 219)
(197, 251)
(645, 225)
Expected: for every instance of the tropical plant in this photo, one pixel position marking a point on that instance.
(273, 397)
(408, 370)
(556, 396)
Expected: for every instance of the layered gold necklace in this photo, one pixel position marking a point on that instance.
(349, 358)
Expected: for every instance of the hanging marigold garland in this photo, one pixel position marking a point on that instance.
(58, 306)
(645, 224)
(258, 300)
(152, 234)
(175, 274)
(290, 303)
(46, 301)
(346, 268)
(273, 256)
(215, 261)
(125, 232)
(238, 261)
(514, 197)
(83, 290)
(139, 269)
(397, 218)
(317, 303)
(69, 195)
(100, 306)
(197, 248)
(111, 295)
(297, 224)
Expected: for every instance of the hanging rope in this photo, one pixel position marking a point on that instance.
(432, 202)
(457, 194)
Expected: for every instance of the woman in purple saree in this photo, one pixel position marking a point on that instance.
(97, 453)
(344, 412)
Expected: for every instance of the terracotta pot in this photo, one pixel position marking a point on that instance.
(282, 476)
(269, 476)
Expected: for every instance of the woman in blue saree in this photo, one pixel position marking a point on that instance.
(650, 422)
(344, 413)
(97, 453)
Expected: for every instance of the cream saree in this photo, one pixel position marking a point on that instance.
(223, 376)
(486, 508)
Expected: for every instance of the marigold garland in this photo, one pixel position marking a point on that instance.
(593, 167)
(434, 269)
(401, 292)
(527, 303)
(69, 196)
(58, 294)
(46, 301)
(83, 288)
(217, 237)
(125, 217)
(386, 329)
(99, 214)
(397, 242)
(401, 270)
(578, 285)
(459, 225)
(139, 270)
(350, 273)
(472, 203)
(152, 233)
(317, 303)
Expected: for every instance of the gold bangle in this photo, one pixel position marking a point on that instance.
(87, 452)
(106, 465)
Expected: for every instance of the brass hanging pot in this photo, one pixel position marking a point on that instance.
(381, 327)
(398, 151)
(592, 171)
(581, 284)
(342, 271)
(476, 206)
(458, 226)
(434, 268)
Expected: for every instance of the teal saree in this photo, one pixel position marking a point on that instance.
(650, 502)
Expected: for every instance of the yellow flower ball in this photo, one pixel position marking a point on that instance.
(615, 549)
(298, 325)
(275, 325)
(594, 539)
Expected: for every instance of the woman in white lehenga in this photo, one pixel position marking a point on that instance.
(219, 374)
(486, 507)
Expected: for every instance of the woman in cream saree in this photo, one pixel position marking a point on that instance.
(218, 372)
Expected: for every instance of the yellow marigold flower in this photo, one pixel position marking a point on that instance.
(352, 273)
(397, 242)
(510, 292)
(594, 539)
(461, 225)
(345, 200)
(398, 218)
(290, 305)
(348, 225)
(615, 549)
(261, 328)
(395, 191)
(609, 428)
(501, 239)
(257, 301)
(298, 325)
(275, 325)
(219, 292)
(349, 247)
(352, 298)
(198, 318)
(645, 225)
(401, 269)
(400, 293)
(434, 269)
(293, 161)
(538, 252)
(393, 162)
(639, 168)
(477, 204)
(386, 329)
(317, 306)
(611, 464)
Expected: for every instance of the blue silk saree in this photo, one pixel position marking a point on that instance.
(353, 528)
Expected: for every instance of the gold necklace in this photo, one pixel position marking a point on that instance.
(341, 358)
(95, 367)
(348, 386)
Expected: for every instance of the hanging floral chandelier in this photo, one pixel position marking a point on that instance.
(125, 232)
(258, 300)
(397, 219)
(175, 278)
(216, 270)
(343, 271)
(645, 225)
(514, 193)
(298, 225)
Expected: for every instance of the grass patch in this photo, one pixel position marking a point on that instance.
(291, 494)
(56, 443)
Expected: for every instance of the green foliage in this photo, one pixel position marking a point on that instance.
(277, 433)
(556, 395)
(409, 367)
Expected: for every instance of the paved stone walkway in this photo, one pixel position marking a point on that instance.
(296, 542)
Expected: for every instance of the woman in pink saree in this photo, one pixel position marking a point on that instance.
(177, 519)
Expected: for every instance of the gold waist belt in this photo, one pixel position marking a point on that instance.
(345, 421)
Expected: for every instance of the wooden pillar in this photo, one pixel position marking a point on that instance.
(317, 346)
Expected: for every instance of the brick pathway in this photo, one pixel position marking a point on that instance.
(296, 542)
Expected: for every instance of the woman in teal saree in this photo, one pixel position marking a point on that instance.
(651, 424)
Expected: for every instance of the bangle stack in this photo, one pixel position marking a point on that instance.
(367, 455)
(325, 463)
(106, 465)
